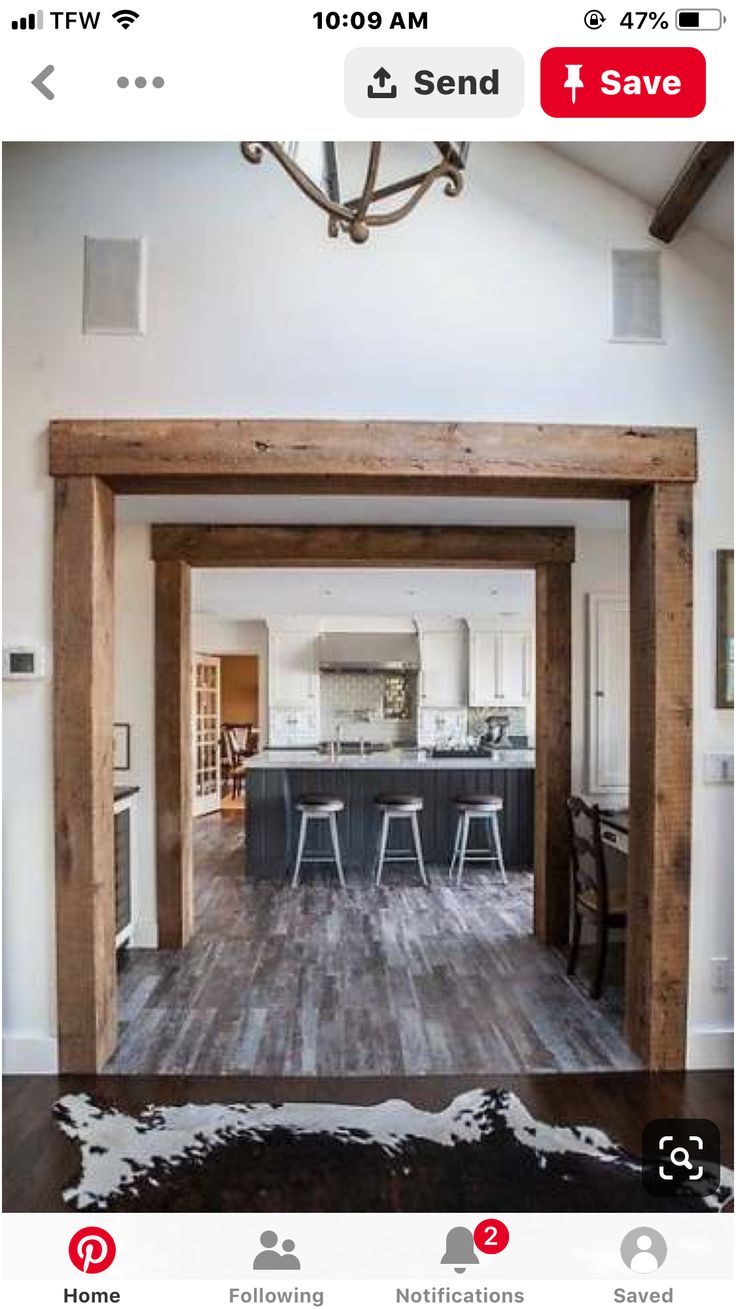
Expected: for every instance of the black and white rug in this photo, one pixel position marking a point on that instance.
(484, 1151)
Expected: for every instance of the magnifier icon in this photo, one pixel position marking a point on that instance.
(680, 1157)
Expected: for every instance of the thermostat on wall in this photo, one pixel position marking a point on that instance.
(24, 663)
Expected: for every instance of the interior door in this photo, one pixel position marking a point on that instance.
(206, 734)
(608, 682)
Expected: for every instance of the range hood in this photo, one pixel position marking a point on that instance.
(368, 652)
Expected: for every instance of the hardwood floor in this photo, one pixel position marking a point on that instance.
(39, 1162)
(321, 982)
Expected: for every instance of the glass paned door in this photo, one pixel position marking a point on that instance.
(206, 734)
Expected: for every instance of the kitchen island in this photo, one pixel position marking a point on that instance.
(276, 778)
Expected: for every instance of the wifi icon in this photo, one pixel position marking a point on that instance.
(126, 17)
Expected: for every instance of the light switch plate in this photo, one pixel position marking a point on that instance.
(718, 767)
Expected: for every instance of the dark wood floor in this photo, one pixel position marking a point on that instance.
(402, 981)
(39, 1162)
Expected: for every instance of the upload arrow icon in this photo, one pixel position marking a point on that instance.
(382, 77)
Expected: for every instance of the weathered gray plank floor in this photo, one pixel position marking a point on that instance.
(321, 982)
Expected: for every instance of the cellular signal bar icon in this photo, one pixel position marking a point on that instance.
(33, 23)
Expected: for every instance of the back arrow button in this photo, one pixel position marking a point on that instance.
(40, 79)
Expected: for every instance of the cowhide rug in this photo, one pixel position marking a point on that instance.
(484, 1151)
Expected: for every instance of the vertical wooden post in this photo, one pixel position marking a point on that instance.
(660, 774)
(553, 760)
(84, 556)
(174, 754)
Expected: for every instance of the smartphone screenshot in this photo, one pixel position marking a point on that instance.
(368, 655)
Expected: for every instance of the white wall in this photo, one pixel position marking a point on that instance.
(248, 306)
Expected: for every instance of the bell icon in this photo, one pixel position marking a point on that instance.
(459, 1249)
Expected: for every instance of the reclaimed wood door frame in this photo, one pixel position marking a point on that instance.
(654, 468)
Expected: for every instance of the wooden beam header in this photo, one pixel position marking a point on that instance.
(231, 546)
(696, 175)
(257, 456)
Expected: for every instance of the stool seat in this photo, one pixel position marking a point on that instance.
(320, 804)
(408, 804)
(487, 804)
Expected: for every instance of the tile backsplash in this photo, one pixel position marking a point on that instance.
(381, 707)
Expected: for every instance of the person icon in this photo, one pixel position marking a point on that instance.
(289, 1259)
(644, 1261)
(268, 1257)
(644, 1250)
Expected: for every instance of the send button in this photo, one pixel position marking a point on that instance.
(425, 83)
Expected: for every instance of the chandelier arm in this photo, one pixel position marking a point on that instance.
(253, 152)
(370, 180)
(453, 188)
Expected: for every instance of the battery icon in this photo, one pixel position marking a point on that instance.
(699, 20)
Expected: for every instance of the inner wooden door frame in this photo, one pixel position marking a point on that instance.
(548, 551)
(653, 468)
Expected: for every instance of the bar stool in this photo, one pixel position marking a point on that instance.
(487, 808)
(392, 807)
(325, 808)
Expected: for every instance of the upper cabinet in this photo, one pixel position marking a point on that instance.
(443, 653)
(501, 665)
(292, 666)
(608, 693)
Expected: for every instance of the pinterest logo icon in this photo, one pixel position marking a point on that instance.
(92, 1250)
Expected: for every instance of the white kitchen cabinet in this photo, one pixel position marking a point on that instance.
(292, 667)
(443, 676)
(608, 694)
(500, 666)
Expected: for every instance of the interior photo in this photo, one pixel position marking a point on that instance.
(368, 661)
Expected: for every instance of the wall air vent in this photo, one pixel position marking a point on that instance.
(636, 288)
(114, 285)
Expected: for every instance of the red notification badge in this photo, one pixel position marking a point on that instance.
(491, 1236)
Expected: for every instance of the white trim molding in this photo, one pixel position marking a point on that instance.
(709, 1047)
(30, 1054)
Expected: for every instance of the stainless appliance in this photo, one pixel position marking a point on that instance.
(368, 652)
(496, 735)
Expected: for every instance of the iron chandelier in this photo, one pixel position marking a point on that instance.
(358, 216)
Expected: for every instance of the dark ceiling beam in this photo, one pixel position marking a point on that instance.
(689, 187)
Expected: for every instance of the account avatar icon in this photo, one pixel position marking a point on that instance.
(269, 1259)
(644, 1250)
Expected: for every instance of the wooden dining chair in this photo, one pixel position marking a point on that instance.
(592, 896)
(233, 767)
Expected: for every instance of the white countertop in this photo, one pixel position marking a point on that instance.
(389, 759)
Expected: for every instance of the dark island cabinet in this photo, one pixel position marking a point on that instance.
(271, 818)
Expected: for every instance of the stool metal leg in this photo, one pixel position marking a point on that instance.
(418, 847)
(382, 848)
(299, 850)
(499, 851)
(463, 846)
(336, 848)
(456, 847)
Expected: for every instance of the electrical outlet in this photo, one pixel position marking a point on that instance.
(720, 973)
